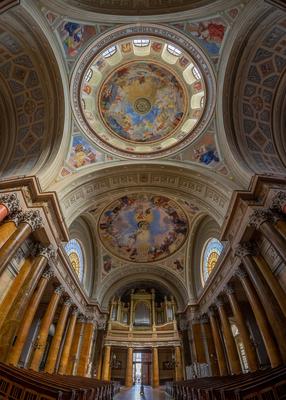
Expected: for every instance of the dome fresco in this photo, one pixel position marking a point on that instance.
(142, 102)
(143, 227)
(141, 97)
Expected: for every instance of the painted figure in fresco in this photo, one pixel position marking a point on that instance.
(72, 36)
(206, 155)
(143, 228)
(210, 33)
(142, 102)
(82, 153)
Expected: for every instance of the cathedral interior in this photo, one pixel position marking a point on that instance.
(142, 199)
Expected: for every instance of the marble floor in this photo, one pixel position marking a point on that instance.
(149, 394)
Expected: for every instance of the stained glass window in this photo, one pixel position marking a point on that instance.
(74, 251)
(211, 253)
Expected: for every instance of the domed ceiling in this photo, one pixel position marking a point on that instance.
(143, 227)
(141, 97)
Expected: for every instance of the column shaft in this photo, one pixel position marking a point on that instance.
(231, 350)
(129, 368)
(56, 342)
(44, 331)
(6, 230)
(179, 367)
(244, 332)
(206, 328)
(3, 212)
(273, 312)
(106, 363)
(198, 344)
(27, 322)
(274, 237)
(262, 322)
(17, 284)
(218, 346)
(67, 344)
(88, 332)
(155, 367)
(272, 281)
(13, 243)
(74, 348)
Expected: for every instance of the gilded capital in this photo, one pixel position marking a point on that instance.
(33, 218)
(240, 273)
(48, 252)
(229, 289)
(259, 216)
(59, 290)
(16, 217)
(10, 201)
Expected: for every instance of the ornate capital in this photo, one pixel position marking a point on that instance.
(219, 302)
(246, 249)
(74, 310)
(229, 289)
(16, 217)
(204, 318)
(33, 218)
(68, 301)
(240, 273)
(259, 216)
(211, 311)
(48, 273)
(278, 202)
(59, 290)
(82, 318)
(48, 252)
(10, 201)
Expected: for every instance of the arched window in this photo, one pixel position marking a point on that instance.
(75, 253)
(141, 42)
(109, 52)
(174, 50)
(210, 255)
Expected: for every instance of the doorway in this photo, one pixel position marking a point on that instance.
(142, 367)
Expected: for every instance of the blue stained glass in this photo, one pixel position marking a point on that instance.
(75, 253)
(211, 253)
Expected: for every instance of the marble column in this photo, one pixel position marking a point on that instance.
(68, 342)
(277, 320)
(197, 341)
(218, 343)
(231, 350)
(87, 339)
(9, 204)
(9, 226)
(57, 339)
(29, 222)
(261, 319)
(129, 368)
(28, 270)
(155, 366)
(106, 363)
(272, 282)
(179, 365)
(263, 221)
(210, 346)
(44, 328)
(242, 328)
(28, 317)
(73, 355)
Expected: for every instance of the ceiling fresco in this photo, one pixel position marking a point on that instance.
(143, 227)
(143, 109)
(142, 102)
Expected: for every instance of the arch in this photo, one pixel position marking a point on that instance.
(253, 78)
(127, 277)
(210, 254)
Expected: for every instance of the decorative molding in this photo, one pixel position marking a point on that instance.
(259, 216)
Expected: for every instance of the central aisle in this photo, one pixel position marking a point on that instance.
(134, 394)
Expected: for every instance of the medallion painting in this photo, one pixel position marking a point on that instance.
(143, 227)
(142, 102)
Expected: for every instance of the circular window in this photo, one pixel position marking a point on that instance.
(210, 255)
(75, 253)
(143, 96)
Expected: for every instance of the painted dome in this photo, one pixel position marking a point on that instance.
(143, 227)
(142, 102)
(142, 97)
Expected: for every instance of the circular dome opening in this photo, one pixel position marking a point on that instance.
(142, 96)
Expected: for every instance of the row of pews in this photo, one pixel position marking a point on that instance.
(23, 384)
(260, 385)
